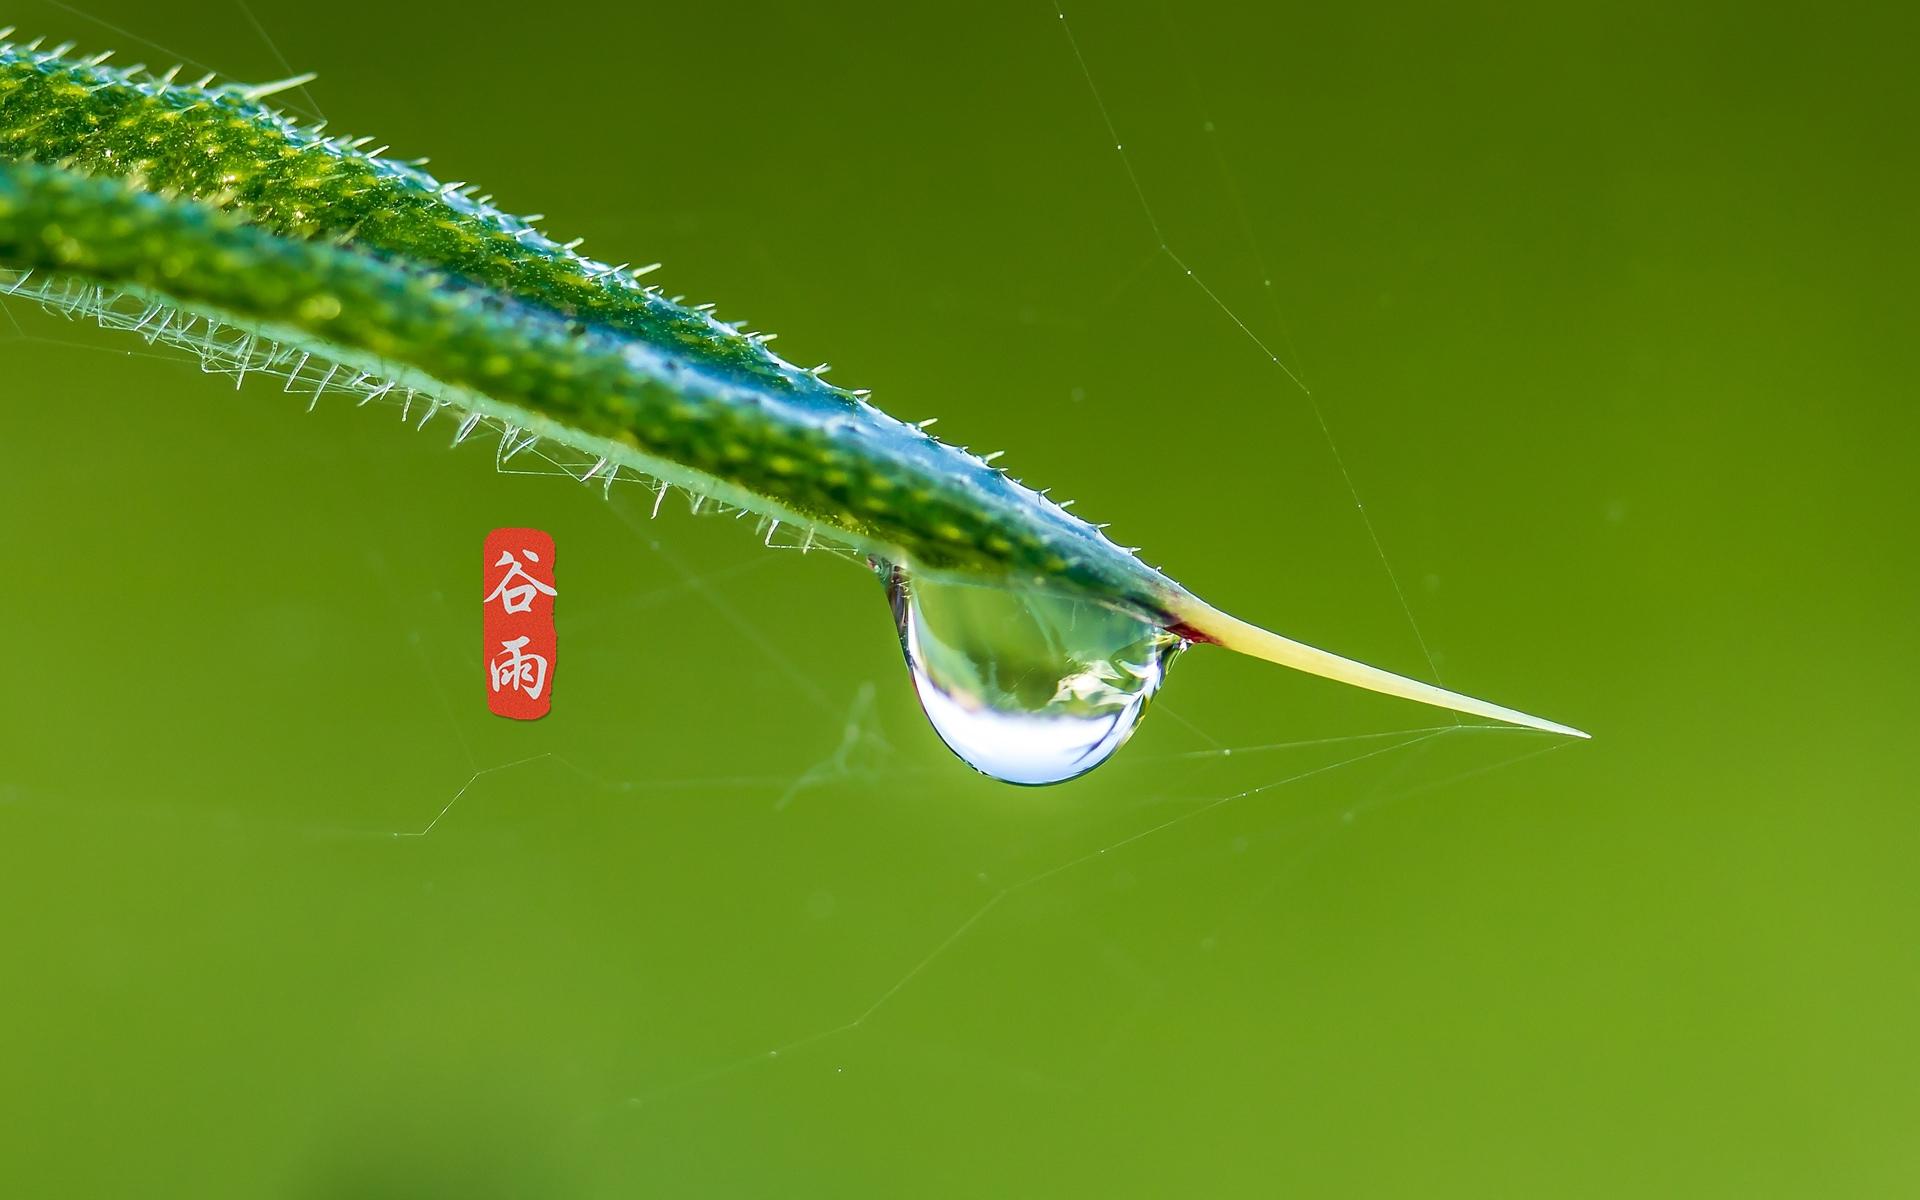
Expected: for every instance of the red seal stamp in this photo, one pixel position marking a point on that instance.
(518, 643)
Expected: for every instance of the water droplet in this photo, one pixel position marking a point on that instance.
(1027, 686)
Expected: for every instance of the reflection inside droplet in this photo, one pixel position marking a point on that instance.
(1026, 686)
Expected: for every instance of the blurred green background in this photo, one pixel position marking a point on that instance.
(1611, 314)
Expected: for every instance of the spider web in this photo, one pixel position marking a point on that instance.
(1180, 803)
